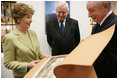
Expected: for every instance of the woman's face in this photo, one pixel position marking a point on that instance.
(25, 21)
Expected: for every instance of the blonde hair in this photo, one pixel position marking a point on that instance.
(20, 10)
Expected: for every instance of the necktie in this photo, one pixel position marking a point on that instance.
(62, 27)
(98, 28)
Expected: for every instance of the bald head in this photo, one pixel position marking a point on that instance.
(100, 3)
(97, 10)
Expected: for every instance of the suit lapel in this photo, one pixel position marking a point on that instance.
(66, 29)
(34, 42)
(67, 26)
(56, 25)
(32, 39)
(22, 39)
(106, 23)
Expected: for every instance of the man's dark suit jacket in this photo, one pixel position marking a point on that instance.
(63, 44)
(106, 64)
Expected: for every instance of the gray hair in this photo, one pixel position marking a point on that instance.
(99, 3)
(60, 3)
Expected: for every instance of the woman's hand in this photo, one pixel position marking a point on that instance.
(33, 63)
(46, 56)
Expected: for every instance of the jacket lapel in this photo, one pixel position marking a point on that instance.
(105, 25)
(67, 26)
(22, 39)
(33, 42)
(56, 25)
(107, 21)
(32, 39)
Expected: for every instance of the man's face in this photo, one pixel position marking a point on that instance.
(61, 12)
(95, 12)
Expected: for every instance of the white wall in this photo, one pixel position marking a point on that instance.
(78, 11)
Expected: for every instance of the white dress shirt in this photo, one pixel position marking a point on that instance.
(105, 17)
(64, 22)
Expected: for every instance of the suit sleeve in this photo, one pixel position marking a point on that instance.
(49, 38)
(77, 33)
(10, 56)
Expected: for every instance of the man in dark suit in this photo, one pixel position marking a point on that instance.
(62, 32)
(106, 64)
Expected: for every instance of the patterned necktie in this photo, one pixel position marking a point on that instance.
(62, 27)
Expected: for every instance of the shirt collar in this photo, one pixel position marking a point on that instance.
(63, 22)
(105, 17)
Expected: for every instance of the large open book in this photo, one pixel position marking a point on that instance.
(77, 64)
